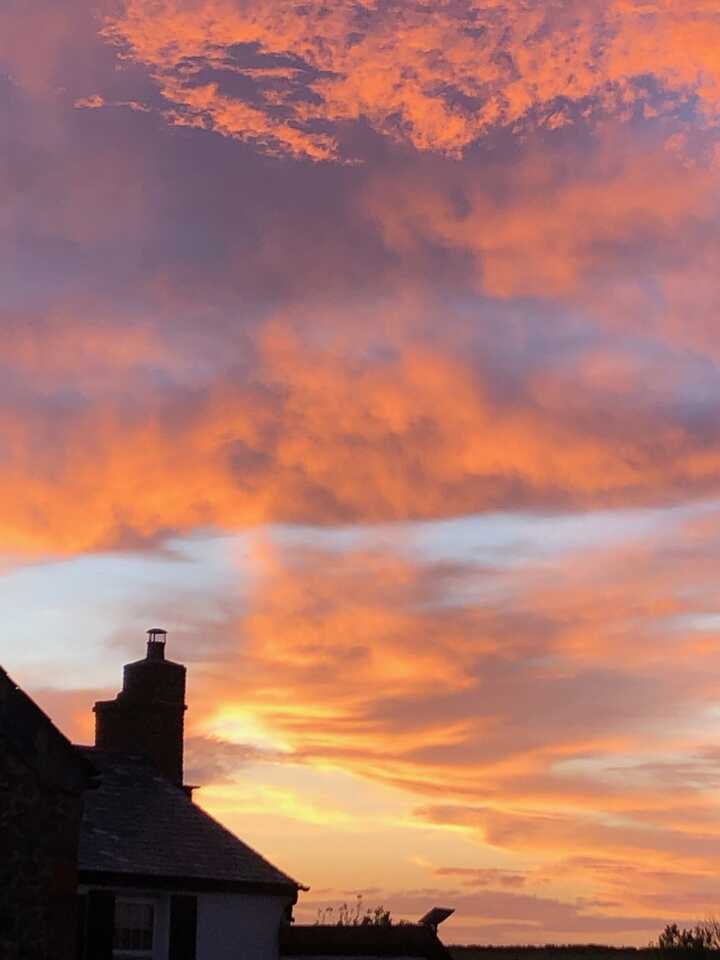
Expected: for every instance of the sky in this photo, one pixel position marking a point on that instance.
(370, 347)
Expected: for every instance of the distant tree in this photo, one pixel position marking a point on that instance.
(356, 915)
(703, 936)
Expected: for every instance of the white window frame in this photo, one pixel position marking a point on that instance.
(122, 953)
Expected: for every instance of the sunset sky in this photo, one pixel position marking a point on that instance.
(371, 348)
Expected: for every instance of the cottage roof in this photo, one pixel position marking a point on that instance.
(140, 827)
(36, 741)
(403, 940)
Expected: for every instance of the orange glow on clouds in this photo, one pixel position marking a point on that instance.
(420, 437)
(577, 784)
(437, 75)
(418, 303)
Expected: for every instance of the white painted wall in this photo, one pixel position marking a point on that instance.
(233, 926)
(238, 926)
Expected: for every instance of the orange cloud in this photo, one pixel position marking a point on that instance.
(321, 438)
(546, 715)
(527, 325)
(94, 352)
(330, 639)
(435, 76)
(458, 684)
(553, 223)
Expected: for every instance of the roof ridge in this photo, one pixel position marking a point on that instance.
(237, 839)
(16, 709)
(150, 826)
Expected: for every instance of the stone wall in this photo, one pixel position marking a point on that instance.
(41, 785)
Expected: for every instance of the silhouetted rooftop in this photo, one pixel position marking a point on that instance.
(404, 940)
(33, 737)
(138, 824)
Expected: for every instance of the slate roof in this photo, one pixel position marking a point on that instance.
(35, 739)
(403, 940)
(138, 824)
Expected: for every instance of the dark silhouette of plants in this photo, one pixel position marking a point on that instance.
(702, 937)
(356, 915)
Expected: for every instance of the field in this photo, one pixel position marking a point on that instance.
(553, 952)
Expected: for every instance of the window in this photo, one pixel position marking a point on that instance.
(134, 929)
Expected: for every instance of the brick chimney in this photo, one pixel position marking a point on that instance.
(148, 715)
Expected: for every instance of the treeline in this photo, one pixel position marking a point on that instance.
(549, 951)
(702, 938)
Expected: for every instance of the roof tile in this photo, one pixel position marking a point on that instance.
(138, 823)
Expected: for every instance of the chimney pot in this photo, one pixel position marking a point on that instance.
(157, 638)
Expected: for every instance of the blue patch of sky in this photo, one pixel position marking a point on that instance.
(704, 622)
(499, 539)
(60, 618)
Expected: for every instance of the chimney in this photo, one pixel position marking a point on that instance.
(148, 715)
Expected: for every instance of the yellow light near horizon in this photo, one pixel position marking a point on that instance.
(263, 798)
(238, 725)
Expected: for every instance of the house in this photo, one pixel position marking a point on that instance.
(104, 855)
(159, 879)
(42, 782)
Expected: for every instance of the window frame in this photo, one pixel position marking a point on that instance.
(127, 953)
